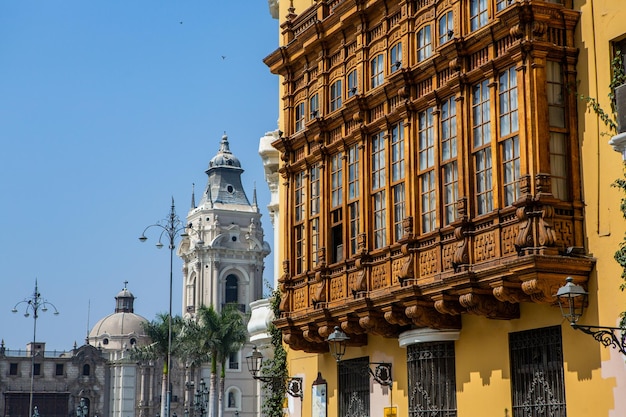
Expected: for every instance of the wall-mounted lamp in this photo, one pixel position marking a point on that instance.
(572, 300)
(255, 362)
(338, 341)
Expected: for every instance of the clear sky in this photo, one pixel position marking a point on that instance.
(108, 109)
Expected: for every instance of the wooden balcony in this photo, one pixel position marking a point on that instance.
(485, 266)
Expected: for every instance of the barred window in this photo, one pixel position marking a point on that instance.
(354, 388)
(537, 381)
(431, 378)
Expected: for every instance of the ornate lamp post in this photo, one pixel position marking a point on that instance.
(338, 341)
(255, 364)
(201, 398)
(171, 228)
(34, 304)
(572, 299)
(81, 409)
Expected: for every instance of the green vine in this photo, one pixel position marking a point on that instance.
(276, 367)
(618, 78)
(620, 254)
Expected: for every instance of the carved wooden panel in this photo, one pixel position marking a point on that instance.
(484, 247)
(447, 252)
(380, 277)
(428, 262)
(338, 288)
(509, 234)
(564, 231)
(300, 299)
(396, 267)
(352, 280)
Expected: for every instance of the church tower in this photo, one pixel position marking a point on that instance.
(223, 260)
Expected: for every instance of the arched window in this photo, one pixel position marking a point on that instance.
(86, 370)
(233, 399)
(232, 289)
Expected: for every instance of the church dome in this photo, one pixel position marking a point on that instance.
(224, 157)
(122, 329)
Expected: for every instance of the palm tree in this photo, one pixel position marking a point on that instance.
(158, 331)
(205, 340)
(234, 334)
(216, 335)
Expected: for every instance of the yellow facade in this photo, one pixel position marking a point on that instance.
(594, 377)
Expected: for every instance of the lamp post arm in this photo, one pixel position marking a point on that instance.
(614, 337)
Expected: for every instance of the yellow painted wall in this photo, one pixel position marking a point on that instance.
(598, 376)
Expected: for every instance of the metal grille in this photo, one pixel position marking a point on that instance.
(354, 388)
(432, 381)
(537, 382)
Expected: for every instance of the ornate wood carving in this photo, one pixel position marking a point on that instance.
(408, 267)
(488, 306)
(319, 289)
(447, 304)
(282, 286)
(423, 316)
(395, 315)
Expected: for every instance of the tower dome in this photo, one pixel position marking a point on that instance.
(224, 157)
(122, 329)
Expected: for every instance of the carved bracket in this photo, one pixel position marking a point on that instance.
(488, 306)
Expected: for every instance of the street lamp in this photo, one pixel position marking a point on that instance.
(338, 341)
(34, 304)
(255, 363)
(171, 227)
(572, 299)
(81, 409)
(201, 398)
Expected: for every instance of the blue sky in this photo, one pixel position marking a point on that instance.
(108, 109)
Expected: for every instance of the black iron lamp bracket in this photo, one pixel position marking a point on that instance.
(614, 337)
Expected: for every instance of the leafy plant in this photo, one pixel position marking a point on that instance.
(276, 368)
(618, 78)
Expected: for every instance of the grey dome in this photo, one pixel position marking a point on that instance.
(224, 157)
